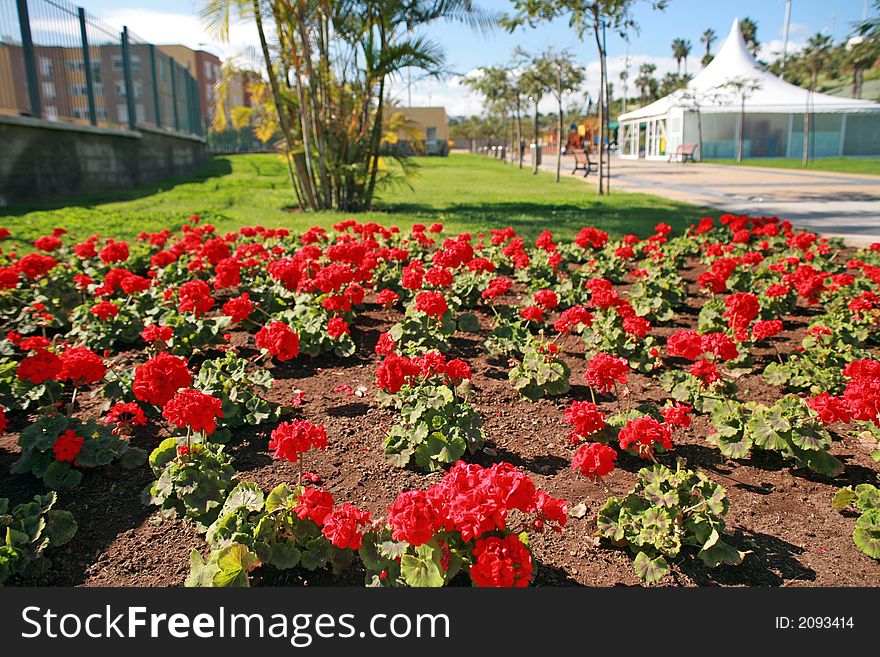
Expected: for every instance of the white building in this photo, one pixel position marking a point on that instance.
(772, 122)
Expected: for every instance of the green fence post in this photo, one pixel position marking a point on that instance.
(174, 95)
(129, 85)
(87, 63)
(155, 86)
(30, 61)
(197, 108)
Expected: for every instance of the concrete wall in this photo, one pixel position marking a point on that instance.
(43, 161)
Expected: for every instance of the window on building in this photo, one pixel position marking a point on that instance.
(208, 70)
(46, 66)
(138, 88)
(117, 63)
(135, 63)
(139, 113)
(431, 134)
(48, 88)
(119, 87)
(121, 113)
(51, 112)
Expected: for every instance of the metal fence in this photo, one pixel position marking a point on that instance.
(59, 63)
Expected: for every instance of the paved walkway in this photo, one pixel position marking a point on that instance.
(833, 204)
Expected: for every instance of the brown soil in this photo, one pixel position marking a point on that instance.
(782, 515)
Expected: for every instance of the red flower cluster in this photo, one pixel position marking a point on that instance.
(193, 409)
(344, 526)
(81, 365)
(67, 446)
(742, 308)
(157, 333)
(573, 317)
(279, 340)
(239, 308)
(125, 415)
(433, 304)
(314, 504)
(396, 371)
(195, 297)
(414, 517)
(594, 460)
(503, 562)
(585, 419)
(604, 370)
(291, 439)
(337, 327)
(691, 345)
(766, 329)
(643, 434)
(156, 381)
(496, 288)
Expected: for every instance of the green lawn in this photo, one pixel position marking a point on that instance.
(868, 166)
(465, 192)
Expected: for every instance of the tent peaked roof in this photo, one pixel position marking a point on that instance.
(712, 90)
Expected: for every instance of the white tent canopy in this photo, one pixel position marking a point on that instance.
(667, 122)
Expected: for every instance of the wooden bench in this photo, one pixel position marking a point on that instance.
(683, 153)
(583, 163)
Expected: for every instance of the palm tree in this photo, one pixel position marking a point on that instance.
(749, 30)
(646, 82)
(681, 48)
(534, 85)
(707, 39)
(860, 57)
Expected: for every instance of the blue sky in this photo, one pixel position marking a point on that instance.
(177, 21)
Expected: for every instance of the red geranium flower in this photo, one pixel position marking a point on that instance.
(157, 333)
(337, 327)
(40, 367)
(81, 365)
(194, 409)
(604, 370)
(291, 439)
(239, 308)
(414, 518)
(67, 446)
(433, 304)
(585, 418)
(501, 562)
(314, 504)
(532, 314)
(156, 381)
(764, 329)
(124, 415)
(594, 460)
(279, 340)
(343, 526)
(195, 297)
(643, 434)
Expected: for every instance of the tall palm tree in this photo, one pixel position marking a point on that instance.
(707, 39)
(645, 82)
(680, 50)
(749, 30)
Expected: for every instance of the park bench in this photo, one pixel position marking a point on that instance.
(583, 163)
(683, 153)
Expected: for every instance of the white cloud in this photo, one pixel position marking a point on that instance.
(170, 27)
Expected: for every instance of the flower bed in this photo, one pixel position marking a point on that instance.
(674, 409)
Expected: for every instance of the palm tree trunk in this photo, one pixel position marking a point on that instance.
(601, 167)
(537, 143)
(742, 125)
(559, 139)
(519, 133)
(276, 95)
